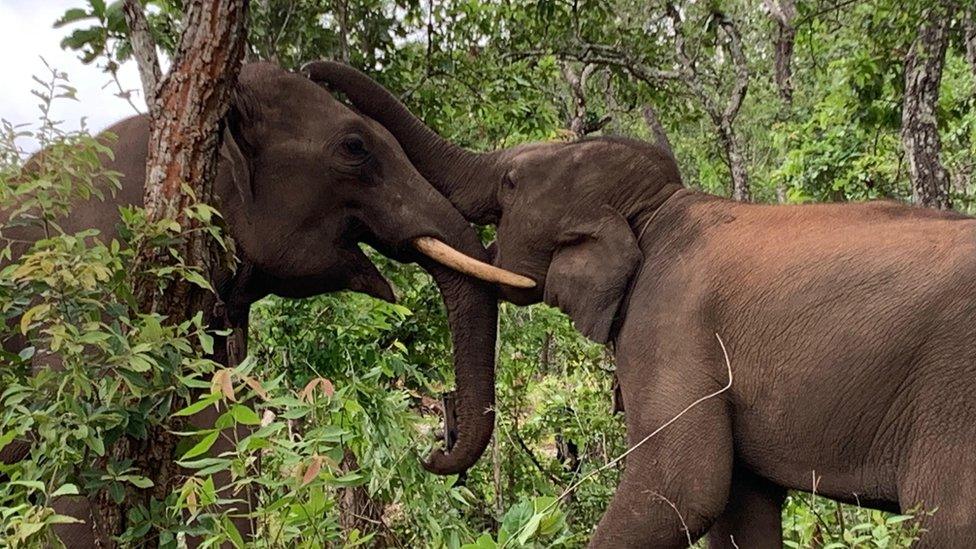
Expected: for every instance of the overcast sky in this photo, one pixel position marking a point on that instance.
(27, 34)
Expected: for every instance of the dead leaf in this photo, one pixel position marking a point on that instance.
(327, 388)
(326, 385)
(306, 393)
(256, 387)
(313, 470)
(191, 501)
(222, 382)
(267, 418)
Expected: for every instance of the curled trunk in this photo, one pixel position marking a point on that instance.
(472, 313)
(473, 317)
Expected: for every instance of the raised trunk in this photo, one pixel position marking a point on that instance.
(467, 179)
(919, 128)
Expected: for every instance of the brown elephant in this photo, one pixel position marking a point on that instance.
(301, 181)
(851, 331)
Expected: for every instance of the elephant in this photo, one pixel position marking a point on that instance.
(828, 348)
(302, 179)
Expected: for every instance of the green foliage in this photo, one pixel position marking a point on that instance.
(109, 371)
(816, 522)
(336, 396)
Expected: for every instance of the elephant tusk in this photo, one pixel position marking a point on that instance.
(449, 257)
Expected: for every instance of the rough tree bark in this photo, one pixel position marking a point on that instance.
(190, 101)
(969, 37)
(783, 12)
(919, 129)
(657, 130)
(144, 51)
(577, 124)
(358, 511)
(185, 108)
(342, 16)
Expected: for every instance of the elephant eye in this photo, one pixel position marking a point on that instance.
(508, 181)
(355, 146)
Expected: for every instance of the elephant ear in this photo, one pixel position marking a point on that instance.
(589, 275)
(235, 150)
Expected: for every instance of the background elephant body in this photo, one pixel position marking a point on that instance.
(849, 331)
(302, 180)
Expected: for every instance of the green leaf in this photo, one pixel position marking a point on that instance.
(32, 484)
(25, 321)
(483, 542)
(7, 438)
(65, 490)
(244, 415)
(96, 444)
(232, 532)
(201, 447)
(198, 406)
(70, 16)
(530, 528)
(139, 481)
(196, 278)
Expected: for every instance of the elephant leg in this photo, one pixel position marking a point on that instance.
(676, 484)
(753, 516)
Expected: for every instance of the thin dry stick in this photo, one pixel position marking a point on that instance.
(614, 461)
(684, 525)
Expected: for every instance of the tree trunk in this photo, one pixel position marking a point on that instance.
(577, 123)
(657, 130)
(342, 16)
(185, 110)
(969, 37)
(183, 142)
(783, 13)
(737, 163)
(919, 131)
(358, 510)
(722, 115)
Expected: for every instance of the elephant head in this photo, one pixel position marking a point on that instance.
(566, 212)
(302, 180)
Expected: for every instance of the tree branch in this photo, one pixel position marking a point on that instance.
(741, 67)
(144, 51)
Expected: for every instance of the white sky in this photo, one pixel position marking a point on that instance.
(27, 34)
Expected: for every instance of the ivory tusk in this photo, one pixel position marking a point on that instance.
(449, 257)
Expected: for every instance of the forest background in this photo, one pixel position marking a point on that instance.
(783, 101)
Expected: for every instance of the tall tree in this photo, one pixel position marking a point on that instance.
(919, 132)
(185, 106)
(723, 114)
(969, 36)
(783, 12)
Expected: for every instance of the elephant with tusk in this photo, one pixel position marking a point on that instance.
(302, 181)
(851, 331)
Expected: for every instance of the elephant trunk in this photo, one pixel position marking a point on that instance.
(472, 313)
(467, 179)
